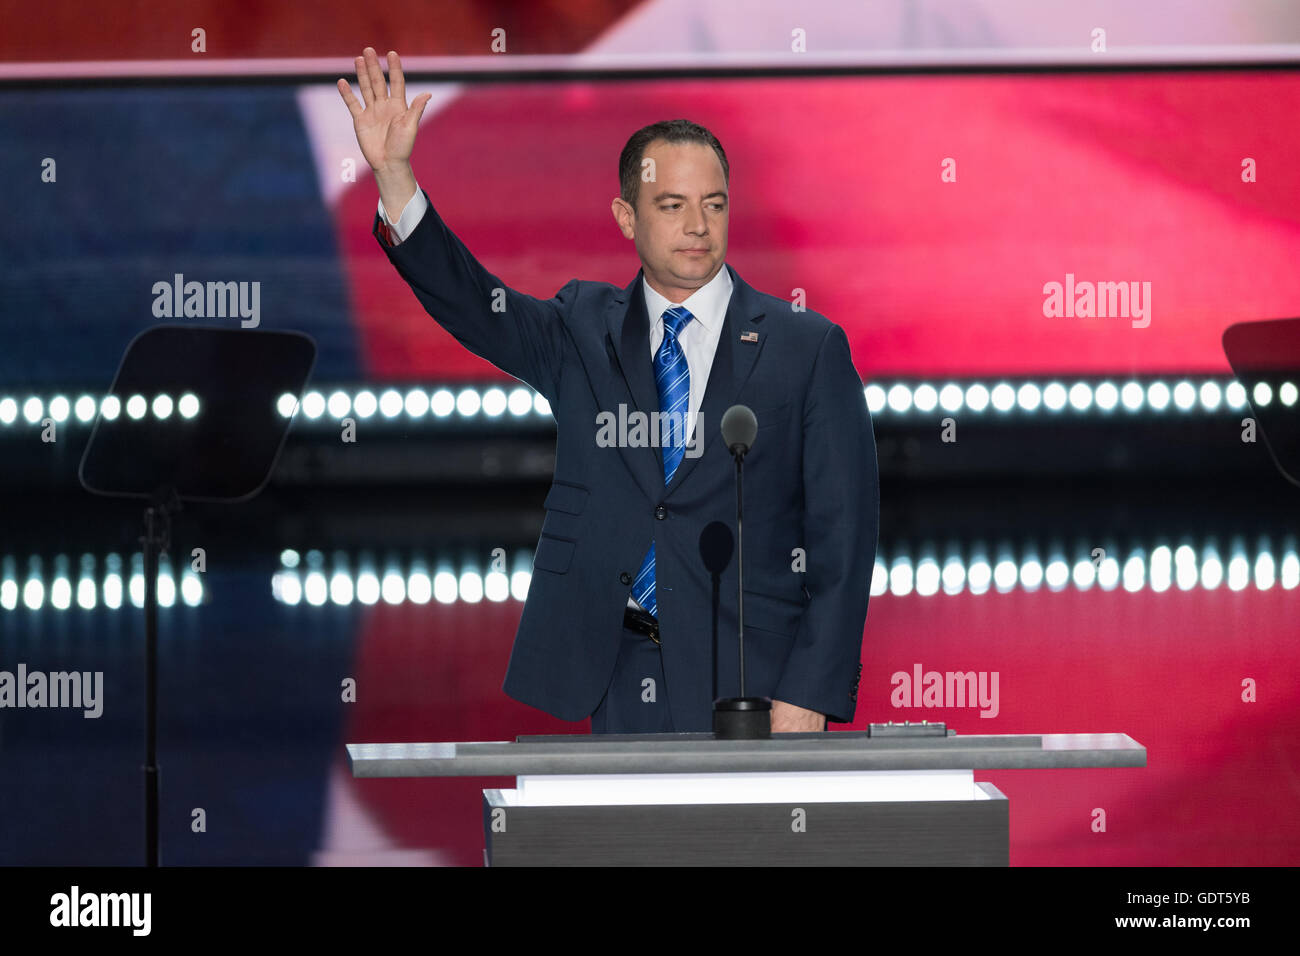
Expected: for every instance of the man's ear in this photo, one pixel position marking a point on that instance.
(624, 216)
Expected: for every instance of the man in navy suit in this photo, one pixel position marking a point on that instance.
(631, 612)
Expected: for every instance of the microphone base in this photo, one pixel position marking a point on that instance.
(742, 718)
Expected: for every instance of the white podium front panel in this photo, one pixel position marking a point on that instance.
(575, 790)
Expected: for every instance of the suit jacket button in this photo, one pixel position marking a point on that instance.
(625, 578)
(661, 512)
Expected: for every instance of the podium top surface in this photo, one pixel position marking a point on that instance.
(701, 753)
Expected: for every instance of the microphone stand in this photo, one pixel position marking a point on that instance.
(740, 566)
(741, 718)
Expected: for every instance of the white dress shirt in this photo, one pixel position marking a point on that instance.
(698, 338)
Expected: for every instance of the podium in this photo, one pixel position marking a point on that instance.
(893, 795)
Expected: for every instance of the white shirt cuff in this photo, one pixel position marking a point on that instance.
(410, 217)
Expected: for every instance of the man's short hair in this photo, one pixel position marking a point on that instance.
(672, 131)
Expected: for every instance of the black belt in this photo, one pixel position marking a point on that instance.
(637, 620)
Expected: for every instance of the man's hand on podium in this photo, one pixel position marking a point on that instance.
(386, 126)
(789, 719)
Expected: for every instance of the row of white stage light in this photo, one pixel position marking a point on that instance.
(1183, 568)
(1159, 570)
(519, 404)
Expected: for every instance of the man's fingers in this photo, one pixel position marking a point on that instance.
(353, 104)
(418, 106)
(376, 75)
(396, 81)
(411, 118)
(363, 81)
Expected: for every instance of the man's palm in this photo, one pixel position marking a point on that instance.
(385, 126)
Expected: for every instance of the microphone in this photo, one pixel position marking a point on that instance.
(741, 718)
(739, 428)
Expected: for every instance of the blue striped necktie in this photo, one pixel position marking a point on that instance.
(673, 380)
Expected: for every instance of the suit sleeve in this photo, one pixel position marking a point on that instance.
(519, 334)
(841, 522)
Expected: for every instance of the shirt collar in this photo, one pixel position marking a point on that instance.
(708, 303)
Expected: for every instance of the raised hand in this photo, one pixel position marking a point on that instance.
(385, 126)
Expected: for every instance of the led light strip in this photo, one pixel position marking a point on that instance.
(92, 587)
(415, 404)
(1157, 570)
(1210, 395)
(33, 409)
(346, 580)
(308, 581)
(520, 405)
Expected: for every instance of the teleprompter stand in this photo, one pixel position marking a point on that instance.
(194, 414)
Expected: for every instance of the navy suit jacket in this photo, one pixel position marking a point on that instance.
(811, 491)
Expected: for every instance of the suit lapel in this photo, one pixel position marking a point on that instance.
(628, 334)
(628, 328)
(732, 364)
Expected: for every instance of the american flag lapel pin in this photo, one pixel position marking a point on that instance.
(749, 336)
